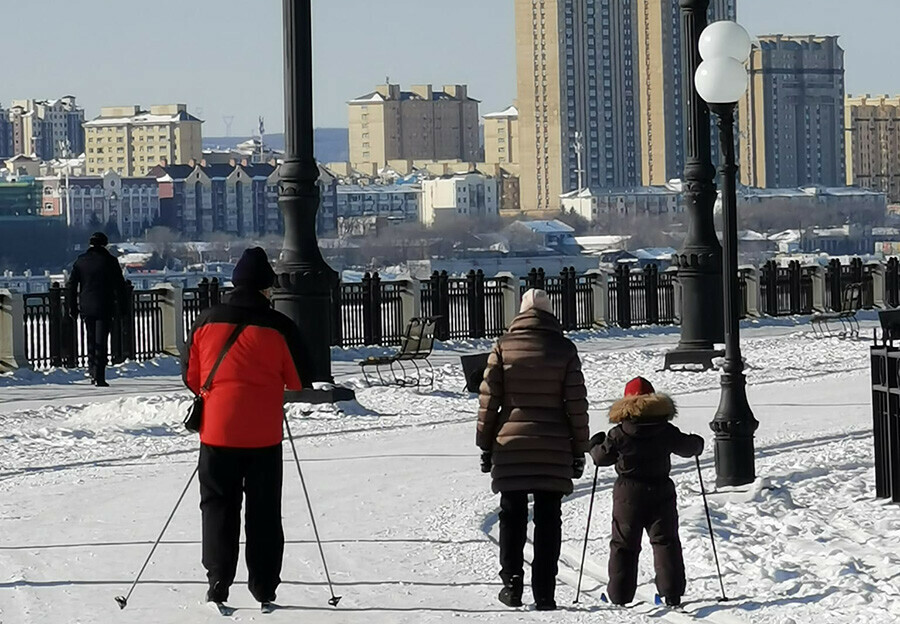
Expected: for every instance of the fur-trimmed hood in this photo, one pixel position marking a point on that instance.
(643, 408)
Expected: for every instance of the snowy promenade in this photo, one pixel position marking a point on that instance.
(87, 479)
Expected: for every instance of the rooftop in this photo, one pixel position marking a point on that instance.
(512, 111)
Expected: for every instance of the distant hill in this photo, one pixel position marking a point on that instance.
(332, 144)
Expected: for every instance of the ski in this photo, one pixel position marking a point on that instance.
(660, 602)
(221, 608)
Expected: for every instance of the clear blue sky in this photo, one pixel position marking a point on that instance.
(223, 57)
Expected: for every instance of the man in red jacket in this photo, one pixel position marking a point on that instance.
(241, 432)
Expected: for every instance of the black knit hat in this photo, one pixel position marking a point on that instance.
(99, 239)
(253, 270)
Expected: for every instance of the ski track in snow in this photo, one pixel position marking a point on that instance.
(807, 543)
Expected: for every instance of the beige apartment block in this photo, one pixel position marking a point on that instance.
(422, 123)
(659, 62)
(577, 98)
(131, 141)
(501, 137)
(873, 143)
(792, 118)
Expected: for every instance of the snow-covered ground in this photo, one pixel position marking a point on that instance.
(88, 476)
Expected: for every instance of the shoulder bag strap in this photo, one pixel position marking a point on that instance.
(228, 344)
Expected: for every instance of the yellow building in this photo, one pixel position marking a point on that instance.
(130, 141)
(660, 84)
(419, 124)
(792, 118)
(501, 137)
(873, 143)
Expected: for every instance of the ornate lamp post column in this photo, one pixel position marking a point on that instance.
(721, 81)
(305, 281)
(700, 261)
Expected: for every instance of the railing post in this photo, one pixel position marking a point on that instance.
(337, 327)
(442, 327)
(471, 304)
(794, 272)
(677, 294)
(480, 306)
(410, 301)
(172, 307)
(892, 282)
(651, 286)
(55, 320)
(203, 294)
(540, 279)
(531, 279)
(123, 333)
(769, 277)
(856, 270)
(215, 294)
(818, 276)
(377, 325)
(623, 299)
(510, 287)
(13, 354)
(833, 285)
(750, 275)
(368, 330)
(876, 295)
(599, 281)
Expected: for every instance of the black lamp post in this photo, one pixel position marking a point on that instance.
(722, 80)
(305, 281)
(700, 260)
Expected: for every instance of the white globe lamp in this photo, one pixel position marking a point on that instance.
(725, 39)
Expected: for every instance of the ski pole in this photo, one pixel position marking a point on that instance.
(712, 538)
(123, 600)
(586, 533)
(334, 600)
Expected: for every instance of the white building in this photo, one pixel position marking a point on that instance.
(591, 203)
(460, 195)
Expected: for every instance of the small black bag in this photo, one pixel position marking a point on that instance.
(194, 417)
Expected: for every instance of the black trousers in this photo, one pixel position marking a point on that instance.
(97, 330)
(226, 476)
(637, 508)
(547, 538)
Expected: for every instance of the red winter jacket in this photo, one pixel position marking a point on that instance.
(245, 405)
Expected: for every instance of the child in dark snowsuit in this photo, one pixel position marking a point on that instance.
(640, 446)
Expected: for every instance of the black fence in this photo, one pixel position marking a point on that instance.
(53, 338)
(374, 312)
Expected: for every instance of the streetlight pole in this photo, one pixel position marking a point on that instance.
(700, 260)
(304, 282)
(722, 80)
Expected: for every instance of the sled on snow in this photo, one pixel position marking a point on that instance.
(843, 324)
(403, 368)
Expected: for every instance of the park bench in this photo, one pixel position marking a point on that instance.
(416, 346)
(823, 323)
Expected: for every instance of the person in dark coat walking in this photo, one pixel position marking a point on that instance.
(97, 290)
(640, 446)
(533, 433)
(241, 430)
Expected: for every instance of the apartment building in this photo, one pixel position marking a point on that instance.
(873, 143)
(131, 203)
(131, 141)
(501, 137)
(46, 128)
(419, 124)
(464, 195)
(661, 81)
(792, 118)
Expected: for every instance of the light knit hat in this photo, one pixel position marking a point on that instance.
(536, 299)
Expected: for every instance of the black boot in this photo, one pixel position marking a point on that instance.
(673, 601)
(100, 377)
(511, 594)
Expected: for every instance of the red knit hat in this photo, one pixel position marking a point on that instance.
(638, 386)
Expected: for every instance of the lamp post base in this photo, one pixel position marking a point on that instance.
(734, 426)
(692, 359)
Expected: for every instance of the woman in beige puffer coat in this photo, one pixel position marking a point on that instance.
(533, 433)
